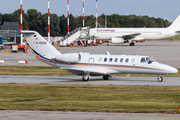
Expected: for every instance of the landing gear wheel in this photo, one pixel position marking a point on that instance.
(105, 77)
(159, 79)
(132, 44)
(85, 78)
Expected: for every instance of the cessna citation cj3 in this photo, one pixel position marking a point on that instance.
(88, 65)
(125, 35)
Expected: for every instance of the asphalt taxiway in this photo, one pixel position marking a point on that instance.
(116, 80)
(47, 115)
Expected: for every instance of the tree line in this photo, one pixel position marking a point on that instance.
(34, 20)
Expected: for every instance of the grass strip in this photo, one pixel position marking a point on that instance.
(32, 70)
(91, 98)
(49, 70)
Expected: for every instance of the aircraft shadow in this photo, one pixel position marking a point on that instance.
(114, 79)
(138, 45)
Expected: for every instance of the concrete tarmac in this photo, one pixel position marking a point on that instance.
(166, 52)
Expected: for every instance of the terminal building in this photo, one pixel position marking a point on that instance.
(6, 37)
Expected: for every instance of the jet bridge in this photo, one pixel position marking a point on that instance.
(81, 32)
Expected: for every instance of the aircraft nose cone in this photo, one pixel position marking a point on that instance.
(173, 70)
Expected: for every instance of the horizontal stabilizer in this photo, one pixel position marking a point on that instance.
(23, 32)
(27, 32)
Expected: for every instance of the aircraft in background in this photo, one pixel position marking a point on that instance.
(129, 35)
(87, 65)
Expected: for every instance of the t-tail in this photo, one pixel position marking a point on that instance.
(39, 45)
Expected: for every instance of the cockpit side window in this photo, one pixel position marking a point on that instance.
(150, 60)
(143, 60)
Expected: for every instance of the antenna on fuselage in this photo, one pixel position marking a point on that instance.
(108, 53)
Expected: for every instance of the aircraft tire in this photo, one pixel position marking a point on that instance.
(105, 77)
(159, 79)
(85, 79)
(132, 44)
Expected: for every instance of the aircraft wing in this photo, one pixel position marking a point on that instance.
(91, 71)
(130, 36)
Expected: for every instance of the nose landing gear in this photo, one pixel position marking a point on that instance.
(85, 78)
(159, 79)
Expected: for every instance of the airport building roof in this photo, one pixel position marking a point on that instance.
(9, 26)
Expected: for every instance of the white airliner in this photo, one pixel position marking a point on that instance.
(87, 65)
(125, 35)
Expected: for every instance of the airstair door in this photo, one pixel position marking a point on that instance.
(91, 61)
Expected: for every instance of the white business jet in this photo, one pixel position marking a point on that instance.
(88, 65)
(125, 35)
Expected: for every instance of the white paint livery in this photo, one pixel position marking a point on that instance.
(87, 64)
(124, 35)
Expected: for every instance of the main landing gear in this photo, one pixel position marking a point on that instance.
(159, 79)
(131, 43)
(87, 77)
(106, 77)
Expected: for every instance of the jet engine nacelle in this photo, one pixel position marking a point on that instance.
(117, 40)
(69, 57)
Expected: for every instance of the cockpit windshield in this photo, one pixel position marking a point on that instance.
(150, 60)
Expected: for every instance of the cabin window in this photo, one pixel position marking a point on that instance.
(127, 60)
(133, 60)
(100, 59)
(110, 60)
(143, 60)
(105, 59)
(116, 60)
(121, 60)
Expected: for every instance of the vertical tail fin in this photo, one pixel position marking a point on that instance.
(39, 45)
(176, 23)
